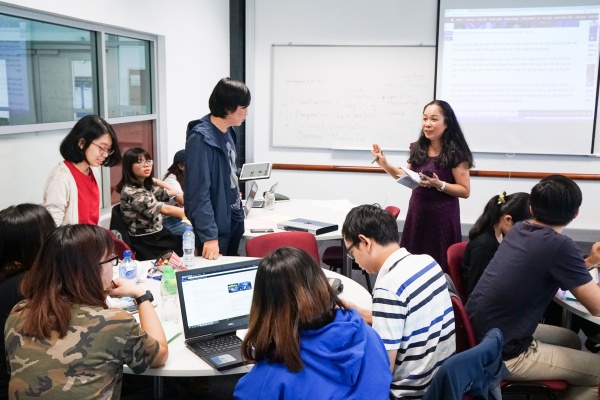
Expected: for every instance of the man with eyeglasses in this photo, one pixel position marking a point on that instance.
(412, 311)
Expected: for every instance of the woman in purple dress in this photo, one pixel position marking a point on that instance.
(443, 159)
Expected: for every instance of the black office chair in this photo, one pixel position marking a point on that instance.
(118, 224)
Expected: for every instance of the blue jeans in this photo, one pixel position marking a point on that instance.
(174, 225)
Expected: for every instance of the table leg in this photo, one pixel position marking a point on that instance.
(346, 263)
(566, 318)
(158, 387)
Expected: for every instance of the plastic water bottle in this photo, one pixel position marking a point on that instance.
(168, 294)
(270, 200)
(128, 268)
(188, 247)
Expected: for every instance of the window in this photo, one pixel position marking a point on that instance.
(47, 72)
(127, 76)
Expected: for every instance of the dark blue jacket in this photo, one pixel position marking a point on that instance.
(345, 359)
(477, 371)
(207, 190)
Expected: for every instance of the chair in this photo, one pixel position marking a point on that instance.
(118, 224)
(261, 246)
(454, 256)
(120, 246)
(465, 339)
(333, 256)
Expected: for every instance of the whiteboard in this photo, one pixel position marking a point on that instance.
(349, 97)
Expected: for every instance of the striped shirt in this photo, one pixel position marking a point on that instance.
(412, 313)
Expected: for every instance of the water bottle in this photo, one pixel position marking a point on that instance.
(270, 200)
(188, 247)
(128, 268)
(168, 294)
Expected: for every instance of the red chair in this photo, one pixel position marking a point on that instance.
(261, 246)
(454, 256)
(465, 339)
(333, 256)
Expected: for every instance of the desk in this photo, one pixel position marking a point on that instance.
(182, 362)
(333, 211)
(573, 307)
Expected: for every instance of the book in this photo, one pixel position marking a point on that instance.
(411, 180)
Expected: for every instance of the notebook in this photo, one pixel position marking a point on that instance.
(261, 203)
(250, 199)
(215, 303)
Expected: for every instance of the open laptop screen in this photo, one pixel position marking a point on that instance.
(216, 299)
(250, 199)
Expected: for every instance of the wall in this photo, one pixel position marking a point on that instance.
(377, 22)
(197, 55)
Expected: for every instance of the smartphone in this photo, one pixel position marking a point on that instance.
(132, 307)
(427, 172)
(262, 230)
(336, 284)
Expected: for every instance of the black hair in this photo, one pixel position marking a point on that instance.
(88, 129)
(176, 171)
(131, 157)
(454, 149)
(555, 200)
(373, 222)
(23, 229)
(516, 205)
(227, 96)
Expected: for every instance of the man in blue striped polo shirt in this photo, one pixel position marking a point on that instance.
(412, 311)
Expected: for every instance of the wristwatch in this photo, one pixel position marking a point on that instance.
(144, 297)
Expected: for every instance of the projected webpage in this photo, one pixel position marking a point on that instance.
(521, 66)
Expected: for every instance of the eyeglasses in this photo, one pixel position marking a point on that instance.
(114, 260)
(145, 162)
(349, 253)
(103, 150)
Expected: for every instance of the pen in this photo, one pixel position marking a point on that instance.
(376, 157)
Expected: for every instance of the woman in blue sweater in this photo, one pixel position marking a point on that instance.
(306, 345)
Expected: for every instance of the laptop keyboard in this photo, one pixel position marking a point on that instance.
(220, 344)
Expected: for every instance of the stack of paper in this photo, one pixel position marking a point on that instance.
(411, 180)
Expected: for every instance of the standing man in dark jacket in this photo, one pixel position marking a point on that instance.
(212, 194)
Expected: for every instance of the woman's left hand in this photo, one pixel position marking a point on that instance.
(430, 182)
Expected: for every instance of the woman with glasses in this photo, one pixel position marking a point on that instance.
(62, 340)
(71, 193)
(23, 229)
(143, 204)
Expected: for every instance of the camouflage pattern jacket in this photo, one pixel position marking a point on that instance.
(141, 209)
(85, 364)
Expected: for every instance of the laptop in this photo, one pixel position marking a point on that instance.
(250, 199)
(215, 303)
(261, 203)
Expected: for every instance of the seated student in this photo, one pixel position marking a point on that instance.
(143, 200)
(63, 341)
(412, 311)
(531, 264)
(500, 214)
(306, 344)
(174, 178)
(23, 229)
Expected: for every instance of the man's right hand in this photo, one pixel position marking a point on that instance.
(210, 250)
